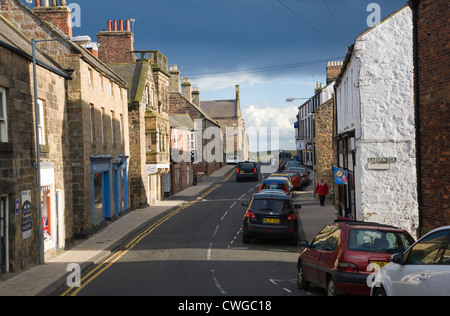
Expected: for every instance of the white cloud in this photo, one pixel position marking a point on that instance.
(215, 83)
(264, 119)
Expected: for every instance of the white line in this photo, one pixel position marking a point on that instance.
(208, 255)
(287, 290)
(224, 215)
(242, 197)
(233, 205)
(215, 232)
(222, 291)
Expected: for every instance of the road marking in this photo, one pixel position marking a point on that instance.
(216, 282)
(287, 290)
(233, 205)
(242, 196)
(208, 255)
(224, 215)
(215, 232)
(229, 176)
(102, 267)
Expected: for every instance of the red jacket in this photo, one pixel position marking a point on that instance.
(321, 189)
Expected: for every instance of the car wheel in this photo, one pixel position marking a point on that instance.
(331, 290)
(245, 238)
(302, 284)
(379, 292)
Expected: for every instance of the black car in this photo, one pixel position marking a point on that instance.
(271, 215)
(247, 170)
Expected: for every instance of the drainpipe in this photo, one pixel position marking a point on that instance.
(414, 4)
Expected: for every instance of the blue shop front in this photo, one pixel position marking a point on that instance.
(109, 187)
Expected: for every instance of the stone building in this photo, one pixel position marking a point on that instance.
(207, 148)
(228, 114)
(148, 80)
(432, 110)
(19, 216)
(182, 138)
(97, 110)
(375, 125)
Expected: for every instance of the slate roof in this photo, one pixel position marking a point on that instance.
(220, 108)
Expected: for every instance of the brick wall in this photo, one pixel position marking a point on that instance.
(434, 111)
(116, 47)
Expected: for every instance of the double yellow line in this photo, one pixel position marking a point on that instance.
(88, 278)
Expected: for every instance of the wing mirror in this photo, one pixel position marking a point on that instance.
(245, 204)
(304, 244)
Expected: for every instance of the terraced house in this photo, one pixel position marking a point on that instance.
(85, 120)
(148, 104)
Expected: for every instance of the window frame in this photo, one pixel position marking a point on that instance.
(4, 119)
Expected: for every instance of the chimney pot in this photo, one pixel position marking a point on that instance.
(46, 3)
(115, 25)
(109, 25)
(54, 3)
(121, 25)
(127, 25)
(37, 3)
(63, 3)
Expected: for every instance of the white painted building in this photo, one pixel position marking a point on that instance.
(375, 125)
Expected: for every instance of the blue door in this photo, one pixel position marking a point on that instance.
(101, 189)
(3, 235)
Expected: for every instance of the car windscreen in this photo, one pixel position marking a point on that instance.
(273, 186)
(272, 206)
(247, 166)
(292, 174)
(371, 240)
(299, 169)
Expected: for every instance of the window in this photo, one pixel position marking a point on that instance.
(149, 142)
(91, 77)
(319, 242)
(91, 123)
(3, 117)
(121, 128)
(430, 250)
(370, 240)
(193, 147)
(101, 83)
(145, 97)
(102, 115)
(112, 127)
(333, 240)
(41, 123)
(446, 256)
(111, 88)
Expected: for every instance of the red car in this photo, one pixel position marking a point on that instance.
(345, 253)
(296, 178)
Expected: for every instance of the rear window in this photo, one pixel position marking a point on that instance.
(292, 174)
(274, 206)
(369, 240)
(247, 166)
(273, 186)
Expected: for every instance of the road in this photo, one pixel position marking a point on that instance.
(198, 251)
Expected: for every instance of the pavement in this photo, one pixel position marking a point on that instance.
(44, 280)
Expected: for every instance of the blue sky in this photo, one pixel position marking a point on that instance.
(273, 49)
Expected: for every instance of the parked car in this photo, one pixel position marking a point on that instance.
(274, 184)
(296, 178)
(304, 173)
(232, 160)
(285, 177)
(422, 270)
(247, 170)
(271, 215)
(339, 257)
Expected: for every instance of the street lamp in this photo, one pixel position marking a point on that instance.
(38, 149)
(289, 100)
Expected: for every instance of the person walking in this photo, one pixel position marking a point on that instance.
(322, 191)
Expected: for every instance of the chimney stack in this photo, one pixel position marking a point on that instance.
(196, 96)
(333, 70)
(186, 89)
(59, 16)
(174, 80)
(116, 45)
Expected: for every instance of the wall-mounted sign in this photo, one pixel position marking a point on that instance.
(383, 160)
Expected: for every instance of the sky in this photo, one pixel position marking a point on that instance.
(272, 49)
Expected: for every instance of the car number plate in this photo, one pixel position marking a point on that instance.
(271, 221)
(378, 264)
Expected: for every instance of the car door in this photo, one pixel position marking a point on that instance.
(412, 278)
(328, 255)
(311, 256)
(439, 273)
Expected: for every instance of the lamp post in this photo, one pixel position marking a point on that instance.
(38, 149)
